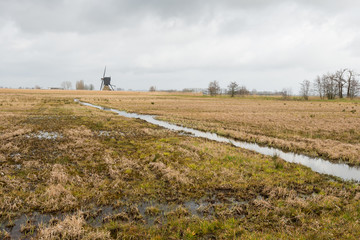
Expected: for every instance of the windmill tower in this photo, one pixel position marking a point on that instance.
(105, 82)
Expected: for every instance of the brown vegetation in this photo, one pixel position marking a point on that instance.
(329, 129)
(100, 176)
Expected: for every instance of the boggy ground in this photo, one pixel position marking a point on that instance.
(72, 172)
(329, 129)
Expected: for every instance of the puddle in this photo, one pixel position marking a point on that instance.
(108, 133)
(319, 165)
(14, 228)
(96, 217)
(104, 133)
(45, 135)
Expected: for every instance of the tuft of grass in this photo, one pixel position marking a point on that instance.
(152, 211)
(278, 163)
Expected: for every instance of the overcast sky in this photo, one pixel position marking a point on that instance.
(262, 44)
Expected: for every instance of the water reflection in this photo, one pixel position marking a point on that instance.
(319, 165)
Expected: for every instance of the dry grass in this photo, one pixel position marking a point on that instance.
(320, 128)
(56, 198)
(72, 227)
(113, 177)
(168, 173)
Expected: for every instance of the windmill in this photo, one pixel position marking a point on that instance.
(105, 82)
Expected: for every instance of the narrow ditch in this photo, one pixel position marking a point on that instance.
(319, 165)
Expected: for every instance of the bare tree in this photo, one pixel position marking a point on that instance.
(37, 87)
(243, 91)
(232, 88)
(66, 85)
(350, 80)
(152, 89)
(319, 86)
(214, 88)
(305, 89)
(339, 79)
(330, 85)
(80, 85)
(354, 89)
(286, 93)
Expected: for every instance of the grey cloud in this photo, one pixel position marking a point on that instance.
(174, 44)
(86, 16)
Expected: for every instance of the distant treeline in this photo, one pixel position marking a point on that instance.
(234, 89)
(342, 83)
(242, 90)
(80, 85)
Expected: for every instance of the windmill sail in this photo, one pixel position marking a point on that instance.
(104, 72)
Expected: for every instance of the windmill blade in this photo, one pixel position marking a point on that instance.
(102, 81)
(104, 71)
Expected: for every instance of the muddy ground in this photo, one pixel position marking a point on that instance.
(72, 172)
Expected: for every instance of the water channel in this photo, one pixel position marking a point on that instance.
(319, 165)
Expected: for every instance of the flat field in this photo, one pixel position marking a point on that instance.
(330, 129)
(72, 172)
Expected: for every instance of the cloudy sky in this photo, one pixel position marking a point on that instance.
(176, 44)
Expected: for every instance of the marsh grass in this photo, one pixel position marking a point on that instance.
(139, 181)
(278, 163)
(316, 127)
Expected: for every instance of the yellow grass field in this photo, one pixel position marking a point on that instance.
(68, 171)
(330, 129)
